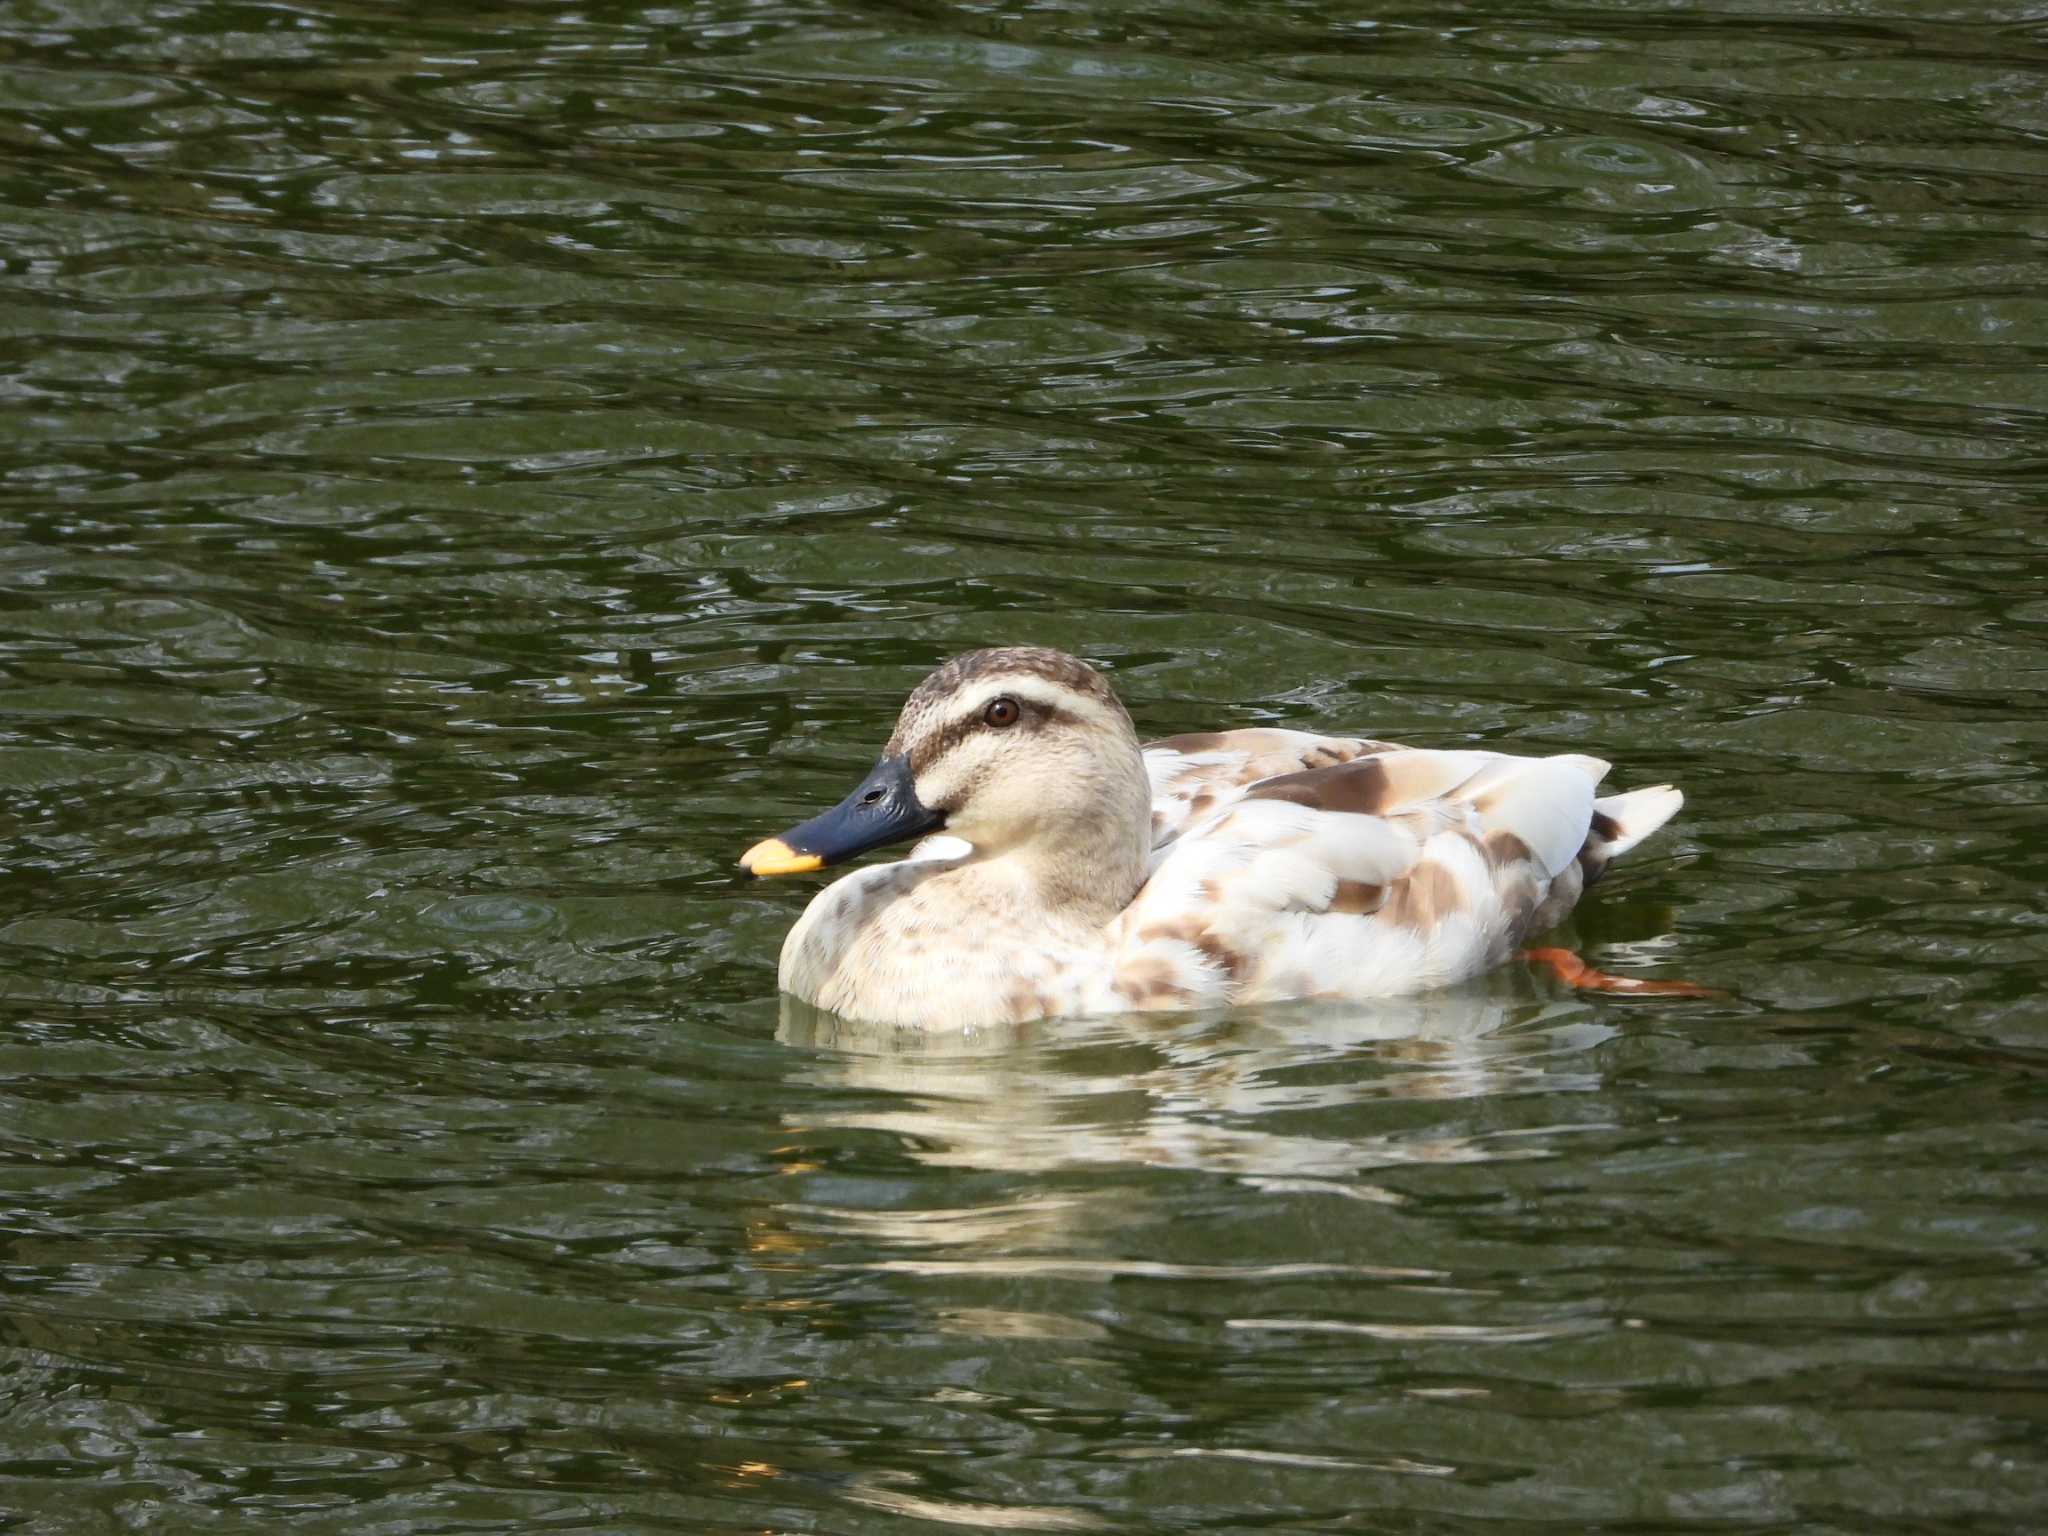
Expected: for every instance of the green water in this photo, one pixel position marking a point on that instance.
(467, 472)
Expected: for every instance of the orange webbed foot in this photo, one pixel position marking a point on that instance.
(1574, 972)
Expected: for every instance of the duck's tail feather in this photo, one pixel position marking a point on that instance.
(1622, 821)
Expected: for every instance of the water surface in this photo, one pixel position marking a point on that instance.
(467, 474)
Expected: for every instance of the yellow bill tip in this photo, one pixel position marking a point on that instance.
(772, 856)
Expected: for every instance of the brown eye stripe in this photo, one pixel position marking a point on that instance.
(1033, 715)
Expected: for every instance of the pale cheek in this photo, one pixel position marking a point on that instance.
(933, 788)
(959, 779)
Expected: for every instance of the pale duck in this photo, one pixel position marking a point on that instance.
(1065, 869)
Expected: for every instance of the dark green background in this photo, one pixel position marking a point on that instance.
(468, 471)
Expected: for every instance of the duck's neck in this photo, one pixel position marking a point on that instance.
(1085, 872)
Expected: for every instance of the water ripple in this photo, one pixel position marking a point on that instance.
(472, 475)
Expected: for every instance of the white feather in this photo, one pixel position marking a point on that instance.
(1638, 813)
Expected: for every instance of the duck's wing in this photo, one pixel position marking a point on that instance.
(1196, 775)
(1387, 870)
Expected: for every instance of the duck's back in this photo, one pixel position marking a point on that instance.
(1292, 865)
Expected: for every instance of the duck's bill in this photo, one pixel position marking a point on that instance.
(774, 856)
(883, 809)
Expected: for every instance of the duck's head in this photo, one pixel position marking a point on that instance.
(1009, 749)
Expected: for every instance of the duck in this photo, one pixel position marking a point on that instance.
(1061, 867)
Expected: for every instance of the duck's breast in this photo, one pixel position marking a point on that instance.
(941, 945)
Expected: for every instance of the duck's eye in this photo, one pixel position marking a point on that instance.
(1001, 712)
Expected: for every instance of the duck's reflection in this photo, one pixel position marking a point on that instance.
(1258, 1094)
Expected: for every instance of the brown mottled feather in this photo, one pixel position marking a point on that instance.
(1359, 787)
(1356, 897)
(1193, 930)
(1226, 763)
(1503, 848)
(1424, 896)
(1148, 982)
